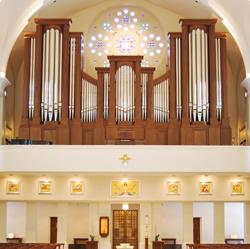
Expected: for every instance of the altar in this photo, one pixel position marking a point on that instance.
(124, 246)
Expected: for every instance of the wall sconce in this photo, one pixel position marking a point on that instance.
(125, 206)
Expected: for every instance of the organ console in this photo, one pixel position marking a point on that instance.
(126, 104)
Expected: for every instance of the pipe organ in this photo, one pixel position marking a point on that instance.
(178, 76)
(125, 97)
(125, 104)
(218, 79)
(32, 77)
(144, 80)
(51, 101)
(161, 102)
(198, 75)
(89, 100)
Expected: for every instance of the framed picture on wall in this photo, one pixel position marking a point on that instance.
(13, 187)
(237, 188)
(173, 188)
(44, 187)
(128, 188)
(76, 187)
(206, 188)
(104, 226)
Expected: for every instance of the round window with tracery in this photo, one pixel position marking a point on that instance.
(126, 31)
(126, 44)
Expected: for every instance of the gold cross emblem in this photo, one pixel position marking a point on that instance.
(125, 158)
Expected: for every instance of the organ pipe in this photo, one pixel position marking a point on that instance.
(161, 102)
(88, 102)
(178, 77)
(51, 75)
(218, 79)
(125, 94)
(56, 78)
(72, 77)
(144, 79)
(106, 95)
(31, 105)
(198, 76)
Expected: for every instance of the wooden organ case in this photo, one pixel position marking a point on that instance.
(126, 104)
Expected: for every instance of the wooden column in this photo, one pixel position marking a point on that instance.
(35, 128)
(111, 119)
(24, 128)
(75, 126)
(138, 97)
(100, 96)
(212, 74)
(185, 73)
(186, 135)
(172, 83)
(214, 129)
(150, 88)
(63, 133)
(65, 80)
(100, 131)
(150, 130)
(226, 132)
(174, 125)
(78, 77)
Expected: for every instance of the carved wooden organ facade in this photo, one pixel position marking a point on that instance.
(125, 104)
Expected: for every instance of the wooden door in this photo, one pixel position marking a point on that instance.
(125, 227)
(196, 230)
(53, 229)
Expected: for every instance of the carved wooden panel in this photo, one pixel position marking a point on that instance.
(50, 135)
(125, 227)
(200, 137)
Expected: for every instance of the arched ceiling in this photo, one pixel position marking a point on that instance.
(184, 8)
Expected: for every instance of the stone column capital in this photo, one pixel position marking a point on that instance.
(4, 82)
(246, 84)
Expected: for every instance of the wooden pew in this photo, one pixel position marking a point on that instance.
(218, 246)
(31, 246)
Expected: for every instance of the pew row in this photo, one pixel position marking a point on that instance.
(218, 246)
(31, 246)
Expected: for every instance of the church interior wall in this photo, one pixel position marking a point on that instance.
(80, 219)
(234, 220)
(151, 187)
(205, 210)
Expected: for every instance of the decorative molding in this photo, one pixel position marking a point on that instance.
(4, 82)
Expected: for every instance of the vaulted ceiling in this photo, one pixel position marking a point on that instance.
(185, 8)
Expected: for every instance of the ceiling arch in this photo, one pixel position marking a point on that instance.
(17, 20)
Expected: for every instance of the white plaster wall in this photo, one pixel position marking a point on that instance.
(205, 210)
(234, 220)
(31, 222)
(78, 221)
(2, 221)
(16, 218)
(106, 158)
(168, 220)
(235, 16)
(153, 187)
(105, 210)
(145, 219)
(45, 210)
